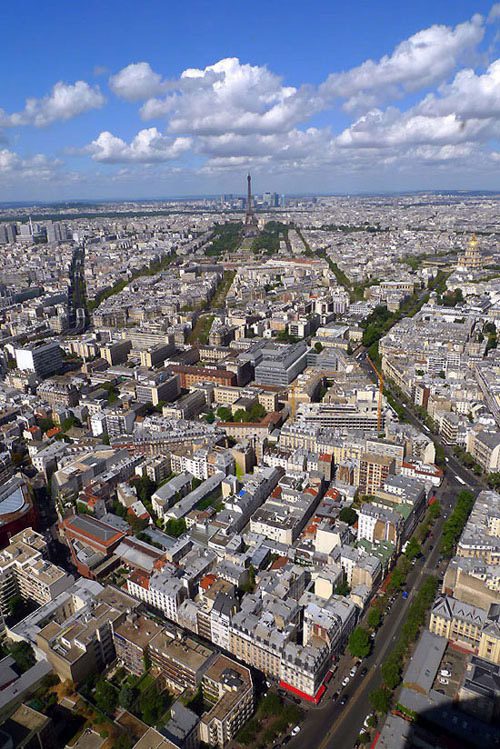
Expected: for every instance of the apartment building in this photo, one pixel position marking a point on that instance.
(132, 638)
(189, 375)
(228, 686)
(468, 626)
(373, 471)
(361, 416)
(83, 644)
(479, 539)
(115, 352)
(155, 355)
(376, 524)
(58, 393)
(181, 662)
(484, 446)
(170, 493)
(44, 358)
(161, 589)
(155, 388)
(25, 572)
(280, 365)
(156, 469)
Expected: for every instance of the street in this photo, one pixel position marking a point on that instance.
(333, 726)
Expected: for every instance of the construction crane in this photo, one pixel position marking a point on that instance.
(380, 392)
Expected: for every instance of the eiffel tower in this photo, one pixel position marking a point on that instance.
(251, 224)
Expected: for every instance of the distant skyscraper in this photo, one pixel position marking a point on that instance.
(283, 202)
(57, 232)
(8, 233)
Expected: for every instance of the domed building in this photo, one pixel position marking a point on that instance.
(16, 509)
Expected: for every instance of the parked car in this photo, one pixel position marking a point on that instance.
(335, 696)
(295, 730)
(345, 681)
(442, 680)
(353, 671)
(364, 671)
(344, 700)
(445, 672)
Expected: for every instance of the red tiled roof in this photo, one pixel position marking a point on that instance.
(207, 581)
(140, 578)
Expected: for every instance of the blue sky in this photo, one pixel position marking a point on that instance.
(154, 99)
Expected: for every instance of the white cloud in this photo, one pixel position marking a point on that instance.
(136, 82)
(494, 13)
(379, 129)
(293, 145)
(468, 95)
(64, 102)
(37, 167)
(232, 97)
(149, 146)
(465, 110)
(424, 59)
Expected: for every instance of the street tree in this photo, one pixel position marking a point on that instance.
(359, 643)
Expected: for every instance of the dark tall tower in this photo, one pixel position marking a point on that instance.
(249, 195)
(250, 219)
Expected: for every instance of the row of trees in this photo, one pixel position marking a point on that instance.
(359, 641)
(455, 524)
(254, 413)
(225, 238)
(269, 238)
(148, 270)
(467, 460)
(392, 668)
(275, 715)
(380, 321)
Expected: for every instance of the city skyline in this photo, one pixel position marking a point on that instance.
(185, 102)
